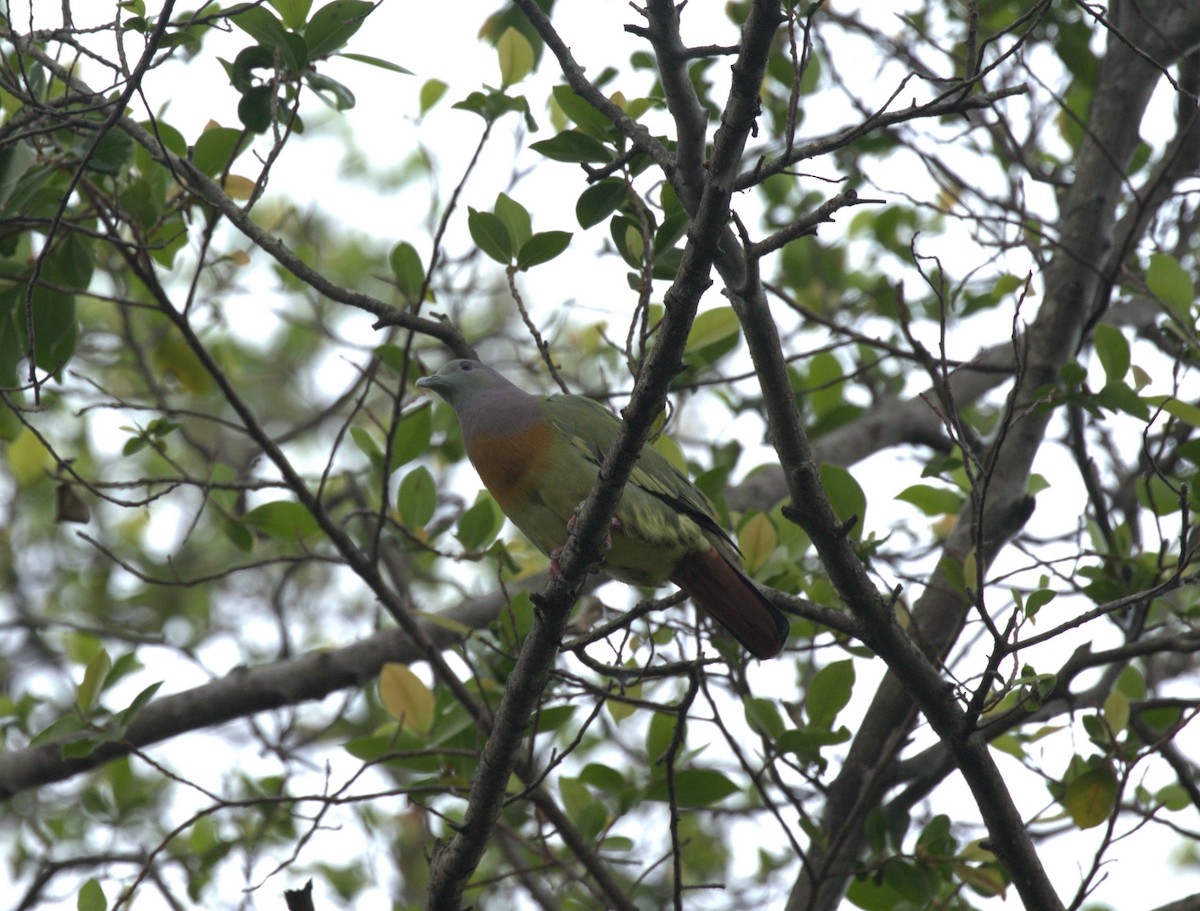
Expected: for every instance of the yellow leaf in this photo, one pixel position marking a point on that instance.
(173, 356)
(516, 57)
(406, 698)
(239, 258)
(634, 242)
(619, 709)
(1116, 711)
(756, 539)
(669, 448)
(985, 880)
(1090, 798)
(27, 458)
(942, 527)
(239, 187)
(93, 680)
(970, 571)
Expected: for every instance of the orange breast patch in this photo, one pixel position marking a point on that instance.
(511, 464)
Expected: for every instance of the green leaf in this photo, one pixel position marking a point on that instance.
(1039, 599)
(871, 893)
(1131, 683)
(1072, 374)
(70, 263)
(695, 788)
(62, 727)
(332, 25)
(254, 108)
(674, 226)
(829, 692)
(763, 717)
(1173, 797)
(807, 742)
(262, 25)
(493, 105)
(575, 795)
(572, 146)
(55, 328)
(91, 897)
(366, 444)
(416, 500)
(431, 93)
(15, 159)
(553, 718)
(826, 390)
(542, 247)
(1113, 351)
(216, 149)
(284, 519)
(845, 495)
(1171, 283)
(411, 436)
(933, 501)
(586, 117)
(378, 62)
(1119, 396)
(711, 327)
(627, 238)
(94, 676)
(330, 91)
(241, 71)
(393, 357)
(111, 153)
(293, 12)
(480, 524)
(140, 701)
(659, 735)
(1091, 797)
(1184, 411)
(516, 57)
(515, 218)
(490, 235)
(599, 201)
(169, 237)
(603, 777)
(409, 272)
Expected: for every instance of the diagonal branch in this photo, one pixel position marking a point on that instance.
(453, 863)
(203, 187)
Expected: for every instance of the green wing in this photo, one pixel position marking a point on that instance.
(591, 429)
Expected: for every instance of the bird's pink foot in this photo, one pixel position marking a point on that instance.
(556, 570)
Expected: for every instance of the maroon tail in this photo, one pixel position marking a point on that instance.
(734, 601)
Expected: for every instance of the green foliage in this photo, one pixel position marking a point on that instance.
(505, 235)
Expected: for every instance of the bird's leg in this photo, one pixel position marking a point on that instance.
(614, 526)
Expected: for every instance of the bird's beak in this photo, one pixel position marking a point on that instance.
(427, 382)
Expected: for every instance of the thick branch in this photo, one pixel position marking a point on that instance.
(454, 863)
(1073, 284)
(240, 694)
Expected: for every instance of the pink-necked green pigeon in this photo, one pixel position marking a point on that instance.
(539, 455)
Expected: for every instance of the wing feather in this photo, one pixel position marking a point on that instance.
(591, 429)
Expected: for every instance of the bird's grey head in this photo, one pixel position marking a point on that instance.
(459, 381)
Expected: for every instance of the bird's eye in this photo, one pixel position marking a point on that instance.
(467, 367)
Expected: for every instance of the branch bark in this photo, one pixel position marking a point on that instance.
(453, 863)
